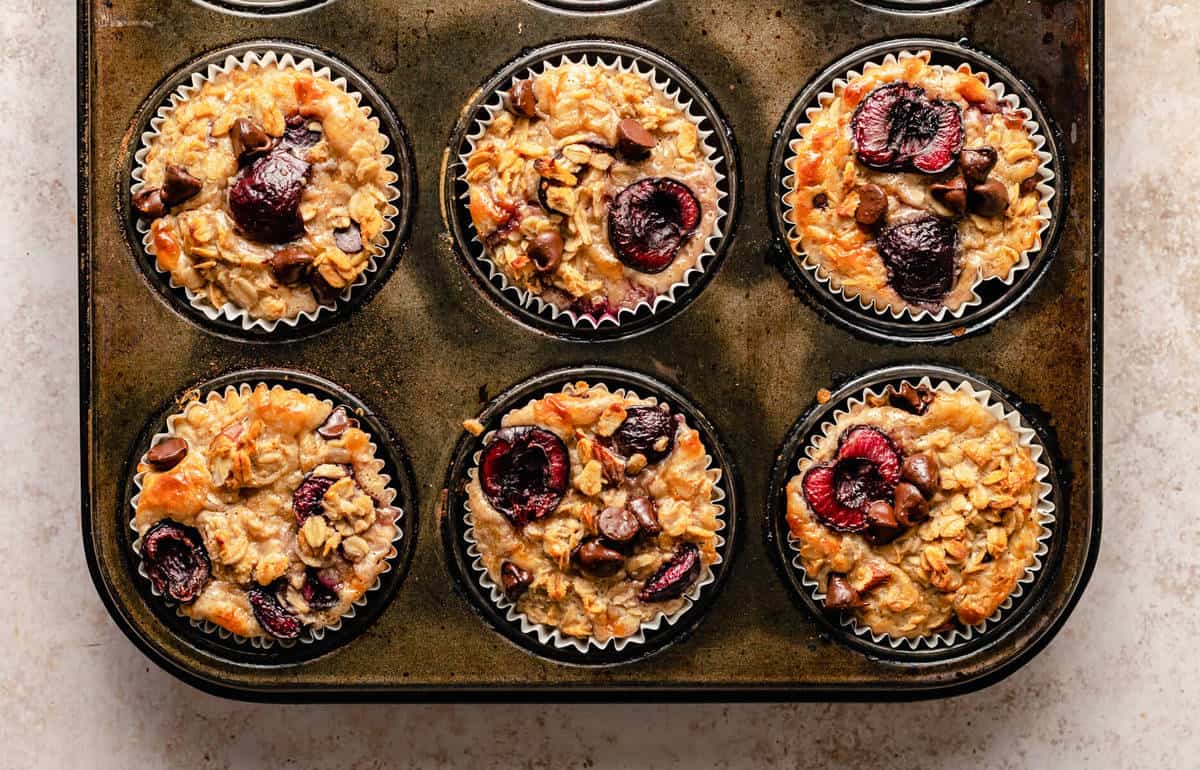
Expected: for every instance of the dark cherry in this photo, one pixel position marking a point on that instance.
(897, 127)
(524, 472)
(545, 252)
(278, 622)
(674, 577)
(952, 194)
(298, 137)
(320, 593)
(649, 220)
(265, 197)
(988, 199)
(866, 469)
(921, 257)
(872, 205)
(648, 431)
(306, 500)
(176, 560)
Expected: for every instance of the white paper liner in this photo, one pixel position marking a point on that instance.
(1044, 510)
(550, 635)
(266, 58)
(308, 634)
(850, 295)
(663, 84)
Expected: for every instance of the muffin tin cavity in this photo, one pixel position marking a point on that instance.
(1029, 591)
(716, 143)
(991, 299)
(231, 320)
(262, 7)
(462, 554)
(220, 644)
(918, 6)
(590, 6)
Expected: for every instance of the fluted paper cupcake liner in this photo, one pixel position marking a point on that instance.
(1044, 510)
(682, 101)
(265, 57)
(308, 634)
(851, 296)
(550, 635)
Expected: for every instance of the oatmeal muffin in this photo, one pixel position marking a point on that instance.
(917, 512)
(591, 189)
(267, 188)
(264, 512)
(913, 184)
(594, 511)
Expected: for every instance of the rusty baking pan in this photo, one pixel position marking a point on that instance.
(427, 347)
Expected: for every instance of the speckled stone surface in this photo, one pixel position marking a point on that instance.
(1117, 688)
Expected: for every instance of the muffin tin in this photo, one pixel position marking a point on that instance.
(430, 350)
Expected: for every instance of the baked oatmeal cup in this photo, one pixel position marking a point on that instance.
(263, 512)
(264, 189)
(919, 512)
(593, 515)
(592, 188)
(911, 183)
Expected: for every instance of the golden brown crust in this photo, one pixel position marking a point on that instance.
(960, 564)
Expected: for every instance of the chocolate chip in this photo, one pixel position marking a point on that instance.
(976, 163)
(179, 185)
(839, 594)
(1029, 184)
(290, 264)
(872, 205)
(913, 400)
(881, 522)
(643, 509)
(321, 289)
(167, 453)
(910, 505)
(348, 239)
(633, 140)
(988, 199)
(617, 526)
(335, 424)
(820, 200)
(952, 194)
(598, 559)
(921, 470)
(515, 580)
(149, 203)
(522, 100)
(546, 251)
(249, 139)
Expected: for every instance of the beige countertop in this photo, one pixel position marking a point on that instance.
(1117, 688)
